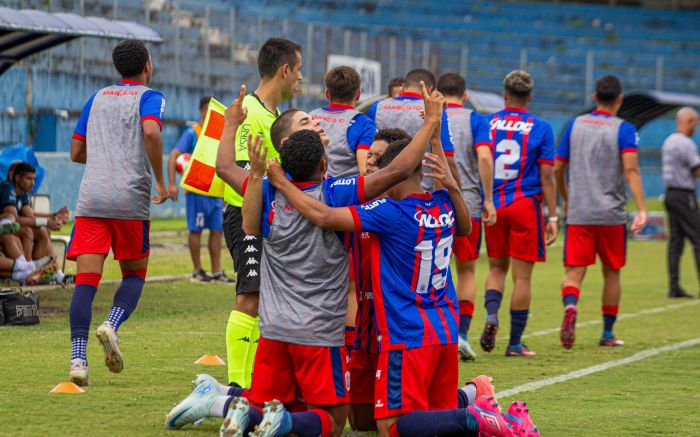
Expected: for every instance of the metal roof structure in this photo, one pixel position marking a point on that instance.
(26, 32)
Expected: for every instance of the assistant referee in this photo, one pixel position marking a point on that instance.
(681, 167)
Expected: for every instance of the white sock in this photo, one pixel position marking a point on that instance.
(20, 274)
(470, 390)
(217, 408)
(5, 222)
(60, 276)
(21, 263)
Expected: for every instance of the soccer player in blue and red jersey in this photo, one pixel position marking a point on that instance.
(523, 146)
(600, 150)
(117, 136)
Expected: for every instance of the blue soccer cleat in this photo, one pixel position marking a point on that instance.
(276, 421)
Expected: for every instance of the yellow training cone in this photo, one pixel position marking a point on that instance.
(210, 360)
(67, 388)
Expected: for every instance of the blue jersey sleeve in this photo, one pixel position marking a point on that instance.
(546, 147)
(372, 112)
(361, 133)
(446, 136)
(564, 150)
(187, 141)
(8, 196)
(268, 206)
(627, 138)
(152, 107)
(481, 133)
(344, 191)
(380, 216)
(80, 131)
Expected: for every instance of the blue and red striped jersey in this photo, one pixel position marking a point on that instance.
(521, 142)
(365, 320)
(415, 303)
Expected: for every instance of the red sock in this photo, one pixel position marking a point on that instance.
(569, 295)
(466, 308)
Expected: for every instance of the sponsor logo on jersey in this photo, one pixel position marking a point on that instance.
(376, 203)
(512, 125)
(431, 222)
(328, 118)
(344, 181)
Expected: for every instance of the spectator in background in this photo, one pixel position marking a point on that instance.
(681, 166)
(394, 87)
(203, 212)
(34, 231)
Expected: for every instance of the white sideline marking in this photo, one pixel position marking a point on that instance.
(597, 368)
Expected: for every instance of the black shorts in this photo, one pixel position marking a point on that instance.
(246, 251)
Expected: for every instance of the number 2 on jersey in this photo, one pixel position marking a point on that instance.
(433, 256)
(509, 154)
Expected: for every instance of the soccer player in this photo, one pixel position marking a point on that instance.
(600, 151)
(405, 111)
(120, 124)
(474, 158)
(203, 212)
(349, 131)
(279, 66)
(394, 87)
(523, 147)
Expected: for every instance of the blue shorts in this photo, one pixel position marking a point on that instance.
(203, 213)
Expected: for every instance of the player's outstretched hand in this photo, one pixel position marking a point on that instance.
(236, 113)
(550, 233)
(640, 220)
(488, 213)
(434, 103)
(275, 173)
(441, 171)
(162, 194)
(257, 153)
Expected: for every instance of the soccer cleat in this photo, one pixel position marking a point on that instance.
(518, 418)
(521, 351)
(488, 415)
(78, 373)
(485, 388)
(200, 276)
(567, 333)
(276, 421)
(110, 343)
(45, 276)
(221, 277)
(488, 336)
(678, 292)
(466, 353)
(203, 377)
(610, 342)
(46, 261)
(236, 420)
(194, 408)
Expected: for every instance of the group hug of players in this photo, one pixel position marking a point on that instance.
(322, 203)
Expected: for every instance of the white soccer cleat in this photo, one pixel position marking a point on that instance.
(78, 372)
(276, 421)
(194, 408)
(110, 343)
(203, 377)
(466, 353)
(236, 420)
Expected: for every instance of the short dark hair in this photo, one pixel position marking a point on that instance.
(280, 127)
(414, 77)
(394, 82)
(23, 168)
(452, 84)
(342, 83)
(130, 57)
(391, 134)
(301, 154)
(275, 53)
(519, 84)
(607, 89)
(392, 151)
(204, 102)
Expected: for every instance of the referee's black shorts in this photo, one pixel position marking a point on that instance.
(246, 251)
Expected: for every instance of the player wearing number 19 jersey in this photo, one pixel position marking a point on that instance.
(524, 155)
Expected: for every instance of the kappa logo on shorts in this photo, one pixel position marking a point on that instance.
(252, 274)
(251, 261)
(250, 238)
(250, 249)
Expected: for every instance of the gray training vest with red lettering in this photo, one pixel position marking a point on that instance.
(303, 279)
(342, 161)
(465, 157)
(597, 193)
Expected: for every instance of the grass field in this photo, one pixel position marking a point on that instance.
(178, 322)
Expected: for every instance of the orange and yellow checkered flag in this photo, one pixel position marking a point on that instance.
(200, 176)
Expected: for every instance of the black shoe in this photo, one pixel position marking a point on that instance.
(679, 292)
(221, 277)
(200, 276)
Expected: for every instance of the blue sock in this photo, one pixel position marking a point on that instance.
(125, 300)
(236, 391)
(437, 423)
(226, 405)
(80, 315)
(308, 423)
(493, 302)
(518, 321)
(255, 417)
(608, 322)
(466, 309)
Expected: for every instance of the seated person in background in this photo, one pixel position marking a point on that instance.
(34, 230)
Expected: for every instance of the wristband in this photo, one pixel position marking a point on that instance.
(554, 219)
(41, 221)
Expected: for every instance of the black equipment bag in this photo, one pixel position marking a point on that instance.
(18, 307)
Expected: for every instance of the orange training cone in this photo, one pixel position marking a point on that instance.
(210, 360)
(67, 388)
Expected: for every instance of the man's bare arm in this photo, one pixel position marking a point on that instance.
(252, 201)
(78, 151)
(226, 167)
(633, 176)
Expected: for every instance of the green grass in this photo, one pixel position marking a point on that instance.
(178, 322)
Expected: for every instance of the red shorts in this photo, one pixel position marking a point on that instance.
(467, 248)
(518, 232)
(583, 242)
(283, 370)
(129, 239)
(363, 370)
(423, 378)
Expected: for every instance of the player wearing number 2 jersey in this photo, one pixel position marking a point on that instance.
(523, 158)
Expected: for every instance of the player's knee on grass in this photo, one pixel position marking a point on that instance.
(247, 303)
